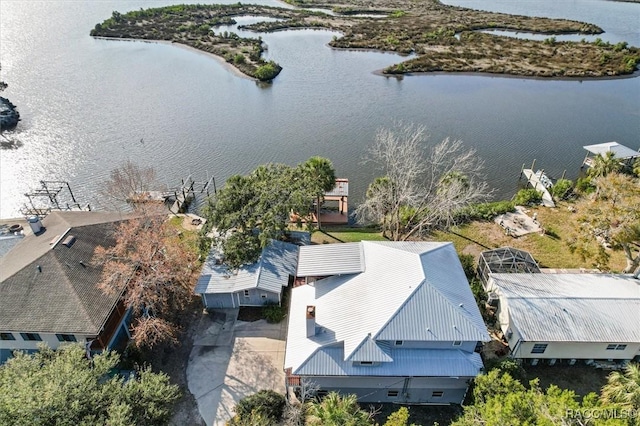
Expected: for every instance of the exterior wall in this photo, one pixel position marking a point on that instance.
(575, 350)
(8, 346)
(234, 300)
(411, 344)
(559, 350)
(417, 390)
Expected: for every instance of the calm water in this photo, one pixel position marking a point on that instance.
(86, 104)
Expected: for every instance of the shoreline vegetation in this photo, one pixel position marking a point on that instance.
(439, 37)
(9, 116)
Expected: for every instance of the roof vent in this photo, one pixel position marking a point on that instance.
(69, 240)
(461, 305)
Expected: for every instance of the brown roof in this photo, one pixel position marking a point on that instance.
(52, 288)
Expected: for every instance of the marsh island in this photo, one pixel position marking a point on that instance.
(439, 37)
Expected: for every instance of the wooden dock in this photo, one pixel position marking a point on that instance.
(536, 183)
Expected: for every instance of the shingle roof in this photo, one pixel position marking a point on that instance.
(407, 291)
(571, 307)
(54, 289)
(271, 272)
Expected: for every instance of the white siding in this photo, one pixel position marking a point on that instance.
(50, 339)
(573, 350)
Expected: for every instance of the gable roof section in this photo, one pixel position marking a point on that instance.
(572, 307)
(372, 351)
(61, 295)
(330, 259)
(399, 293)
(270, 273)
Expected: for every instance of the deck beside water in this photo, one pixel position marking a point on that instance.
(534, 181)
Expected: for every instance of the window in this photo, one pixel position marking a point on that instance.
(66, 338)
(7, 336)
(366, 362)
(246, 293)
(34, 337)
(263, 295)
(457, 343)
(539, 348)
(437, 394)
(399, 342)
(392, 393)
(616, 347)
(321, 393)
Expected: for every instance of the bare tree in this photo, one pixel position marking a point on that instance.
(130, 183)
(154, 265)
(417, 192)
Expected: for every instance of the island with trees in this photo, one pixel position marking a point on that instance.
(9, 116)
(440, 37)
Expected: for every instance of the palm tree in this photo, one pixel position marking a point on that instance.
(603, 165)
(623, 388)
(321, 176)
(336, 410)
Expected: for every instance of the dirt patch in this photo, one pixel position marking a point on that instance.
(172, 360)
(578, 378)
(419, 414)
(250, 313)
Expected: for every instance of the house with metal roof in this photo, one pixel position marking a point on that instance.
(566, 317)
(387, 321)
(623, 153)
(48, 287)
(251, 285)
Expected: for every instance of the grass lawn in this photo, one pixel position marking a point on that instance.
(550, 250)
(346, 234)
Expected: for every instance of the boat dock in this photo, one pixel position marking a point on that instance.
(540, 182)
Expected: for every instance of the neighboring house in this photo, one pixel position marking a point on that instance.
(387, 321)
(568, 316)
(48, 287)
(251, 285)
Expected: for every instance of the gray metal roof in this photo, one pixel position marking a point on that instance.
(330, 259)
(328, 361)
(571, 307)
(372, 351)
(52, 288)
(407, 291)
(619, 151)
(270, 273)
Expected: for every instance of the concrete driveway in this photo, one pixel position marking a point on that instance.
(232, 359)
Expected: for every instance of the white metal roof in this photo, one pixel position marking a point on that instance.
(571, 307)
(405, 289)
(271, 272)
(330, 259)
(620, 151)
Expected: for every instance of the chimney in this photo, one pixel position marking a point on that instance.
(35, 224)
(311, 321)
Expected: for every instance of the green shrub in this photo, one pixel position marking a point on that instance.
(526, 197)
(562, 189)
(507, 365)
(273, 312)
(468, 265)
(485, 211)
(266, 405)
(585, 186)
(239, 59)
(267, 71)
